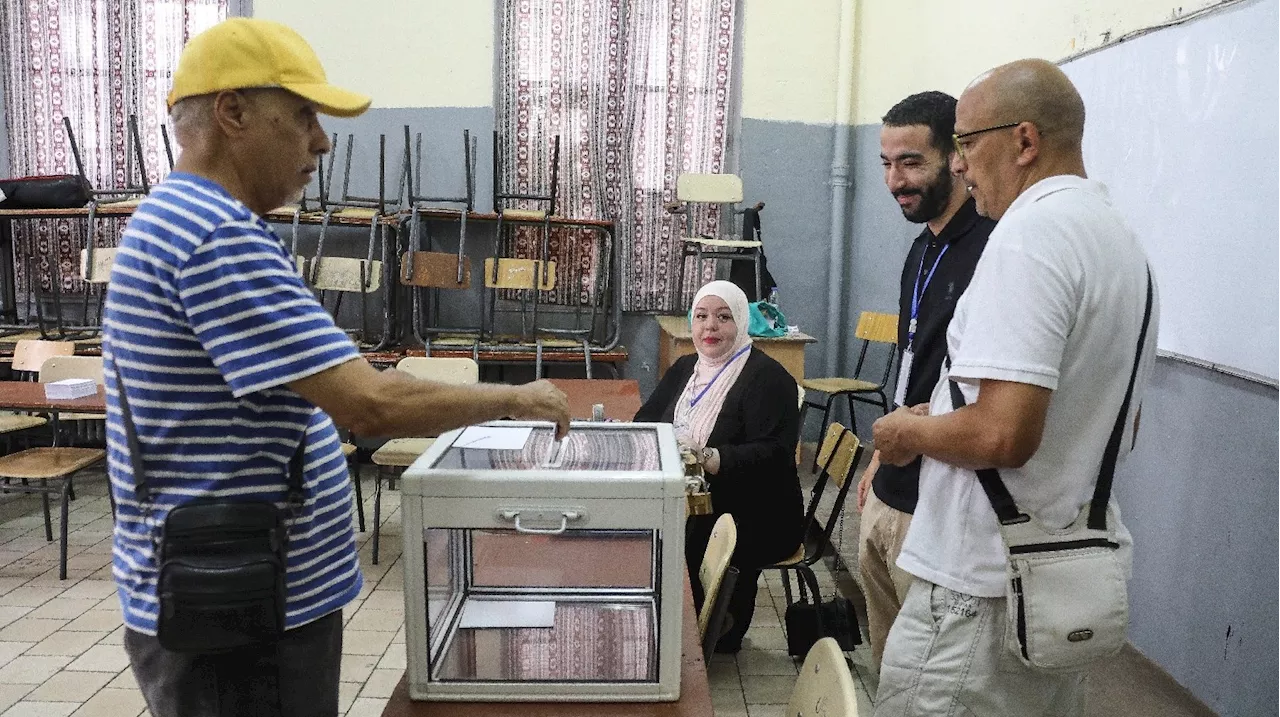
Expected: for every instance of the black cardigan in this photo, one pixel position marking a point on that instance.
(756, 434)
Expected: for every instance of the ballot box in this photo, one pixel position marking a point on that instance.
(538, 570)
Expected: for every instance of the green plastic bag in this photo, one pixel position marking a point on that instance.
(767, 321)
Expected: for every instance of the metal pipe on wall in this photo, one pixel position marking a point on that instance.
(839, 186)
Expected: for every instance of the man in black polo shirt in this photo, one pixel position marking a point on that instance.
(916, 151)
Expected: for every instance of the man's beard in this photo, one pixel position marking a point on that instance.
(933, 198)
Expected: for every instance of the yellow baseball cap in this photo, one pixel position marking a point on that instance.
(242, 52)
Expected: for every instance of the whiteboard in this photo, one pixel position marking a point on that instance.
(1181, 125)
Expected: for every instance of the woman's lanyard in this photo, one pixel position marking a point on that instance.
(918, 293)
(694, 401)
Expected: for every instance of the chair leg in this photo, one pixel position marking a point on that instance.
(48, 520)
(759, 288)
(353, 469)
(853, 423)
(786, 585)
(62, 548)
(377, 512)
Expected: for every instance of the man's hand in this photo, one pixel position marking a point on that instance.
(541, 401)
(864, 484)
(892, 435)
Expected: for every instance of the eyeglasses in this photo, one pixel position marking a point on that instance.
(955, 138)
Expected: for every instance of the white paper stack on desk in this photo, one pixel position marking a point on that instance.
(69, 388)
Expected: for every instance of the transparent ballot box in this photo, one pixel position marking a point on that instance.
(538, 570)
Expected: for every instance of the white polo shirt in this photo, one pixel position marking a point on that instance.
(1056, 301)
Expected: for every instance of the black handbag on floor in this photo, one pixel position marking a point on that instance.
(838, 621)
(222, 563)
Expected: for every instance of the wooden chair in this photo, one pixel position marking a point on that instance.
(717, 578)
(872, 328)
(29, 355)
(825, 685)
(52, 463)
(838, 453)
(399, 453)
(714, 189)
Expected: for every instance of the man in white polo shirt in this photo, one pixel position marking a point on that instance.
(1042, 346)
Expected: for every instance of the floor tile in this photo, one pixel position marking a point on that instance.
(115, 637)
(766, 662)
(10, 650)
(66, 642)
(96, 621)
(765, 638)
(64, 608)
(356, 668)
(768, 689)
(98, 589)
(112, 703)
(32, 670)
(385, 600)
(376, 620)
(769, 711)
(30, 629)
(124, 681)
(28, 708)
(101, 658)
(728, 700)
(347, 692)
(356, 642)
(394, 658)
(27, 596)
(70, 686)
(381, 683)
(8, 584)
(367, 707)
(11, 693)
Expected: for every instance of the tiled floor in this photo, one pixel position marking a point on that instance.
(61, 652)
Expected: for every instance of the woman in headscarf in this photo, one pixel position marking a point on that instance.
(736, 409)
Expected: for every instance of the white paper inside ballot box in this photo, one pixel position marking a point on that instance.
(508, 613)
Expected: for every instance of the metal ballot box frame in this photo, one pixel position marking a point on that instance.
(586, 536)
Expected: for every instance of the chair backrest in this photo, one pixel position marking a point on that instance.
(103, 259)
(57, 368)
(876, 327)
(438, 368)
(30, 354)
(825, 685)
(340, 273)
(519, 274)
(710, 188)
(724, 538)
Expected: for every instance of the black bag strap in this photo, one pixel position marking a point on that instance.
(142, 489)
(1003, 504)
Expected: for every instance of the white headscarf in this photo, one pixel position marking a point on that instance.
(696, 412)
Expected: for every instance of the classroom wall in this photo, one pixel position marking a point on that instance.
(1200, 491)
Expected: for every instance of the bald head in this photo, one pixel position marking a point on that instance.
(1035, 91)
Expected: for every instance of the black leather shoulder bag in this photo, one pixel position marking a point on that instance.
(222, 562)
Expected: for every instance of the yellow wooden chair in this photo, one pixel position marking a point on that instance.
(714, 189)
(718, 579)
(838, 453)
(399, 453)
(873, 328)
(825, 685)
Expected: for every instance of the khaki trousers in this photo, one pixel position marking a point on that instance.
(948, 656)
(884, 584)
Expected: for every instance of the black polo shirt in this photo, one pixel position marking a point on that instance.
(966, 236)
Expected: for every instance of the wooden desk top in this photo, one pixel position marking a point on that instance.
(695, 692)
(677, 327)
(29, 396)
(621, 398)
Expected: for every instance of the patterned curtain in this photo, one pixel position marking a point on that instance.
(94, 62)
(639, 93)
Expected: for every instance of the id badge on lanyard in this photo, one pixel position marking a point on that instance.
(909, 353)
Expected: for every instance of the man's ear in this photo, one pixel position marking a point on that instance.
(1030, 141)
(229, 110)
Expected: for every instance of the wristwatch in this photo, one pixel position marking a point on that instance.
(706, 455)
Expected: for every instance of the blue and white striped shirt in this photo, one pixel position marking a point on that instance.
(208, 320)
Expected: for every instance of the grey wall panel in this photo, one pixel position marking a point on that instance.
(1199, 495)
(441, 129)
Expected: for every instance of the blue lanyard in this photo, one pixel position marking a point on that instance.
(694, 401)
(918, 293)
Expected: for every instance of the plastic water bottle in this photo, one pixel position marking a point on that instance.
(773, 296)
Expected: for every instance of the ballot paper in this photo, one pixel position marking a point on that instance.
(494, 438)
(508, 613)
(69, 388)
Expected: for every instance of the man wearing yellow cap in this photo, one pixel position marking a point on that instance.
(222, 372)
